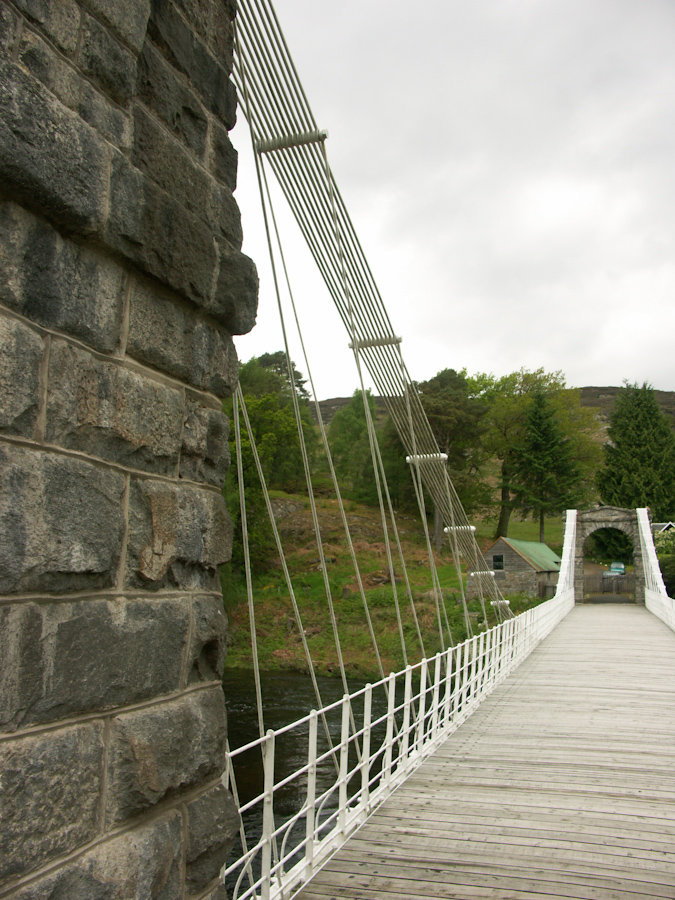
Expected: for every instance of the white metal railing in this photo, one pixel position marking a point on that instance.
(566, 577)
(657, 600)
(424, 704)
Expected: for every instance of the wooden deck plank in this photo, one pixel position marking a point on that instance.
(554, 871)
(582, 830)
(561, 785)
(494, 840)
(653, 867)
(395, 884)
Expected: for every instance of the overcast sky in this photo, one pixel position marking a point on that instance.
(509, 166)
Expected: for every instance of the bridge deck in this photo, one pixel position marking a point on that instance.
(561, 785)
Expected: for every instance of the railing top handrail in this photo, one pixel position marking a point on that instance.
(650, 562)
(278, 732)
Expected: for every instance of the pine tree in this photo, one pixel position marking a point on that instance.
(545, 474)
(639, 459)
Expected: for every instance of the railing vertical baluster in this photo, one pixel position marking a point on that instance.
(466, 673)
(506, 643)
(471, 670)
(311, 794)
(511, 626)
(497, 652)
(480, 674)
(344, 765)
(448, 686)
(268, 816)
(437, 688)
(421, 712)
(365, 749)
(389, 740)
(492, 639)
(407, 703)
(472, 677)
(459, 680)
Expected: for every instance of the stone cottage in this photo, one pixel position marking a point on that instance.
(526, 567)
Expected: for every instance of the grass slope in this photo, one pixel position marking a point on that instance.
(278, 637)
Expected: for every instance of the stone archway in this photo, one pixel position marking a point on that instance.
(590, 520)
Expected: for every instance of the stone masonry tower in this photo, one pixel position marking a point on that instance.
(121, 284)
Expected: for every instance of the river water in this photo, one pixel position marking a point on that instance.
(287, 697)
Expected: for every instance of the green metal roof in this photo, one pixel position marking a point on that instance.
(539, 556)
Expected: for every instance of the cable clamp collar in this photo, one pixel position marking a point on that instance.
(266, 145)
(375, 342)
(426, 457)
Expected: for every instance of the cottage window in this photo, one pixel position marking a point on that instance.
(498, 562)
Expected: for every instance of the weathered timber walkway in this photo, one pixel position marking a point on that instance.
(561, 785)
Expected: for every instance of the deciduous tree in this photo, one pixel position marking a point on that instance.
(350, 447)
(507, 401)
(267, 394)
(458, 423)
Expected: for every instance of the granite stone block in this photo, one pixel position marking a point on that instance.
(73, 90)
(107, 119)
(178, 536)
(167, 335)
(8, 29)
(208, 648)
(213, 364)
(61, 521)
(160, 331)
(223, 215)
(221, 37)
(21, 352)
(128, 20)
(109, 65)
(60, 22)
(143, 864)
(235, 303)
(106, 410)
(172, 168)
(199, 14)
(169, 164)
(57, 283)
(218, 893)
(205, 454)
(223, 156)
(213, 825)
(154, 231)
(184, 50)
(65, 659)
(49, 795)
(170, 98)
(49, 157)
(45, 64)
(164, 751)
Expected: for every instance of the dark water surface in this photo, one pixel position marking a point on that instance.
(287, 697)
